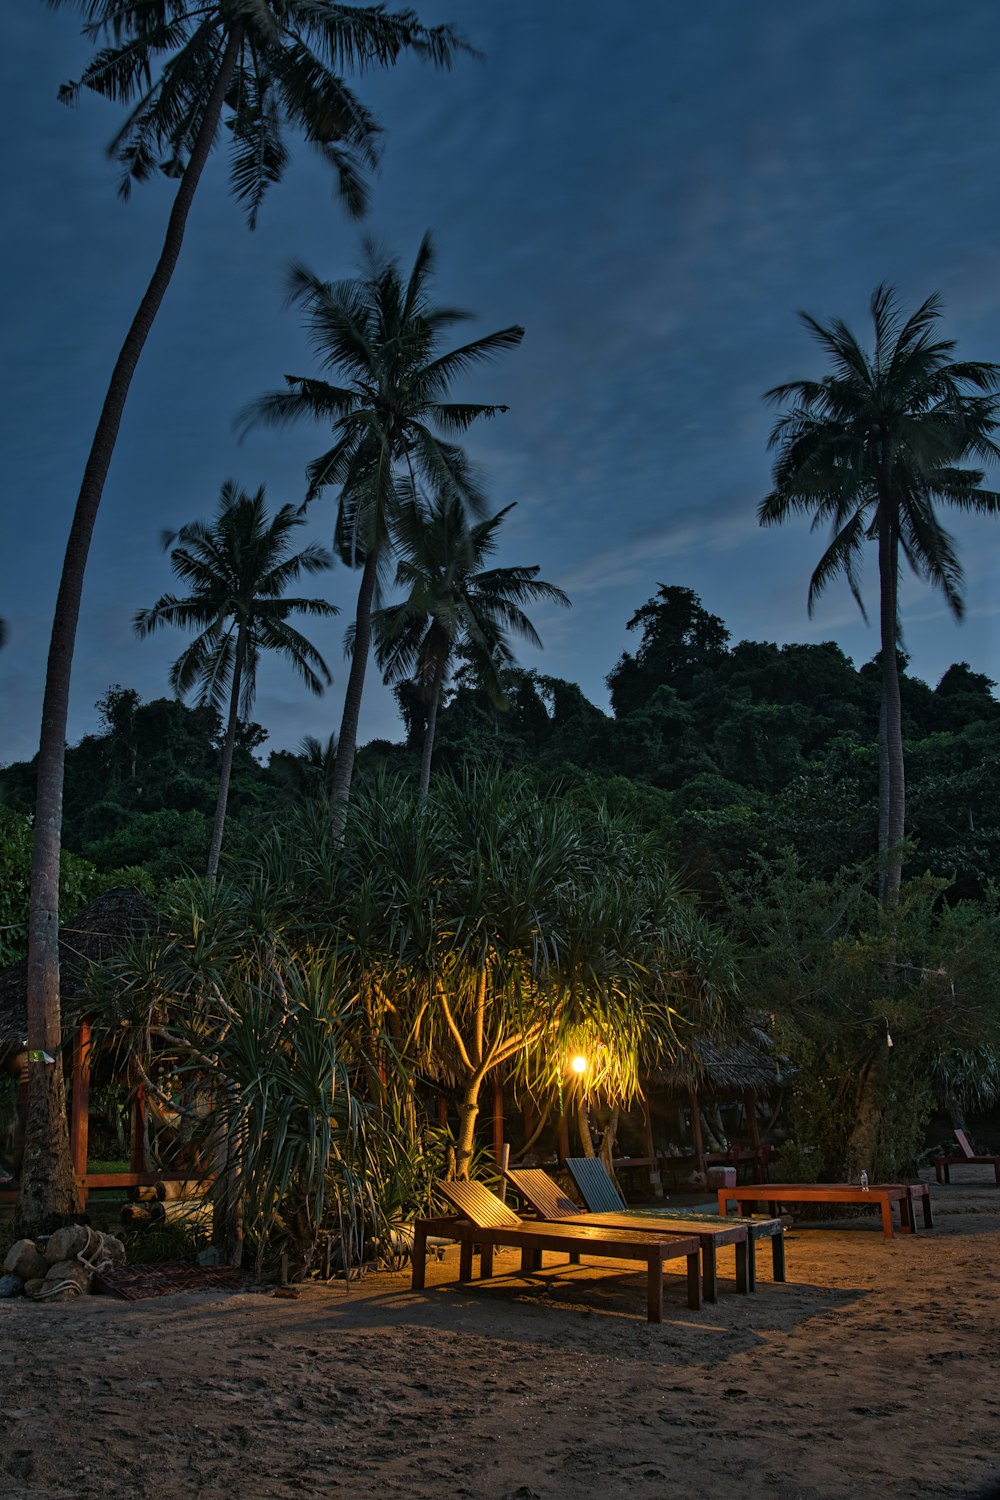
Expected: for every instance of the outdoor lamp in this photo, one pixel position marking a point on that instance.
(579, 1064)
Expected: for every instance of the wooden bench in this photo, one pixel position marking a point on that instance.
(968, 1157)
(879, 1195)
(551, 1204)
(485, 1220)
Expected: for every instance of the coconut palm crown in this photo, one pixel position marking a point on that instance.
(238, 570)
(872, 449)
(453, 602)
(392, 424)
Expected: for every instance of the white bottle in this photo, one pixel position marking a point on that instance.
(864, 1182)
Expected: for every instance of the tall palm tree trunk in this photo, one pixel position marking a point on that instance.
(47, 1183)
(891, 760)
(343, 766)
(428, 748)
(229, 744)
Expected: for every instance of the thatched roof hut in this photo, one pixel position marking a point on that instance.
(723, 1067)
(100, 930)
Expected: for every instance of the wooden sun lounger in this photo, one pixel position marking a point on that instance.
(486, 1221)
(881, 1195)
(968, 1157)
(552, 1205)
(599, 1192)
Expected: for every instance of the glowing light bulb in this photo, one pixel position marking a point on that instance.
(579, 1064)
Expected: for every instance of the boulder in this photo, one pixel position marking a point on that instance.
(113, 1249)
(25, 1260)
(70, 1277)
(33, 1286)
(11, 1286)
(66, 1243)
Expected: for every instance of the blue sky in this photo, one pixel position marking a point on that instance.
(653, 190)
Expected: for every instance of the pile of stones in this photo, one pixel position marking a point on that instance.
(61, 1265)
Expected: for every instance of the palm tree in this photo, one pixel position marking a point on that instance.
(872, 448)
(453, 603)
(269, 65)
(238, 570)
(384, 336)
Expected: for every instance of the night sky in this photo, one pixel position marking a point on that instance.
(652, 189)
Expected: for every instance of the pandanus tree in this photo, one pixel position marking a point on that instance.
(381, 334)
(238, 570)
(453, 603)
(186, 68)
(871, 450)
(499, 925)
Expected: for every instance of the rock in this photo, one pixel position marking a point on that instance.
(113, 1249)
(66, 1243)
(24, 1260)
(210, 1256)
(11, 1286)
(34, 1286)
(76, 1277)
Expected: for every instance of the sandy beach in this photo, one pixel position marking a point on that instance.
(873, 1370)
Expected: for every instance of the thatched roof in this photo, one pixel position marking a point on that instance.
(99, 930)
(732, 1065)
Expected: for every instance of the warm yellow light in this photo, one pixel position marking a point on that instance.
(579, 1064)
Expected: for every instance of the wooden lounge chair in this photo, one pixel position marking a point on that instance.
(549, 1201)
(484, 1220)
(600, 1194)
(968, 1157)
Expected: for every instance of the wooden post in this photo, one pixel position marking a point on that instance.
(655, 1180)
(79, 1125)
(563, 1138)
(498, 1120)
(699, 1144)
(750, 1109)
(442, 1111)
(137, 1145)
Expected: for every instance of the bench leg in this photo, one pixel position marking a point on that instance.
(709, 1273)
(907, 1215)
(928, 1215)
(465, 1261)
(778, 1254)
(745, 1268)
(531, 1260)
(887, 1216)
(418, 1257)
(654, 1288)
(694, 1281)
(486, 1261)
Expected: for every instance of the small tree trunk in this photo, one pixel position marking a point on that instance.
(888, 563)
(468, 1113)
(609, 1140)
(428, 750)
(583, 1126)
(50, 1190)
(862, 1147)
(343, 766)
(229, 744)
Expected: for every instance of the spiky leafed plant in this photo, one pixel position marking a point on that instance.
(872, 449)
(238, 570)
(498, 923)
(453, 602)
(383, 336)
(185, 68)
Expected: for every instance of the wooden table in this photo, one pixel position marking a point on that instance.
(529, 1238)
(881, 1195)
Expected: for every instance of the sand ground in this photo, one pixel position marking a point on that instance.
(874, 1370)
